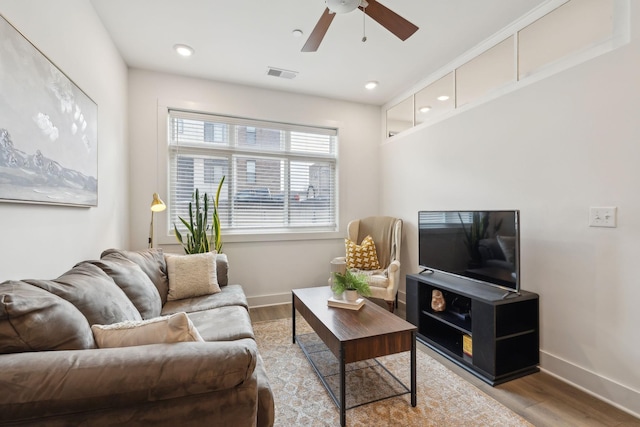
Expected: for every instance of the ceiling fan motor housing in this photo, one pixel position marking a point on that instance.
(342, 6)
(384, 16)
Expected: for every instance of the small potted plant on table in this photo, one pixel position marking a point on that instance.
(351, 284)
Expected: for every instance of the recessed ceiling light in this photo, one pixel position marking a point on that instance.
(297, 33)
(183, 49)
(443, 97)
(371, 85)
(424, 109)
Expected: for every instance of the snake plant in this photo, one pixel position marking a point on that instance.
(201, 236)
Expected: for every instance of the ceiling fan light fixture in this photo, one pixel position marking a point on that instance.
(342, 6)
(183, 49)
(371, 85)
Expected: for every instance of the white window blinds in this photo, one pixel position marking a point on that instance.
(278, 177)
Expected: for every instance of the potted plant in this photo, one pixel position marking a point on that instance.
(202, 237)
(351, 284)
(216, 220)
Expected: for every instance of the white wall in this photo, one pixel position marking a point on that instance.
(552, 150)
(41, 241)
(267, 270)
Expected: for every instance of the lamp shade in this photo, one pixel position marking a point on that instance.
(157, 205)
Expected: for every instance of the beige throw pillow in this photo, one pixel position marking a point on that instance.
(167, 329)
(191, 275)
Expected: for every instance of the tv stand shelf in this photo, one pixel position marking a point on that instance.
(502, 326)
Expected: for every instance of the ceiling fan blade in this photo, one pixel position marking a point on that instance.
(316, 36)
(390, 20)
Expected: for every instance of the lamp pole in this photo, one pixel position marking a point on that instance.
(157, 205)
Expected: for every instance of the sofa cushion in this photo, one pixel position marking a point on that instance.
(79, 387)
(223, 323)
(167, 329)
(32, 319)
(134, 282)
(191, 275)
(92, 292)
(228, 296)
(151, 261)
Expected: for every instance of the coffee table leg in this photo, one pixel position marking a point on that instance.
(343, 394)
(293, 318)
(414, 400)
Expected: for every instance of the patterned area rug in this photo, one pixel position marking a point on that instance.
(444, 399)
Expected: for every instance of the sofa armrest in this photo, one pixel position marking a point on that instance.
(393, 273)
(222, 269)
(394, 266)
(63, 382)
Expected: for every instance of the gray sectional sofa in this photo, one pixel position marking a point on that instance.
(52, 372)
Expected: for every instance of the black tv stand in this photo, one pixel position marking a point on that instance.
(502, 329)
(426, 270)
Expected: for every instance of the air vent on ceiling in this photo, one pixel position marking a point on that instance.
(278, 72)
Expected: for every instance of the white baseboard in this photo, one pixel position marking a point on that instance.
(267, 300)
(618, 395)
(285, 297)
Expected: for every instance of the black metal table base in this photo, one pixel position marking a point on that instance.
(332, 370)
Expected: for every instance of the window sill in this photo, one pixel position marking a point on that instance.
(264, 237)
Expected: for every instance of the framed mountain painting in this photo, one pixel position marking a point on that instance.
(48, 129)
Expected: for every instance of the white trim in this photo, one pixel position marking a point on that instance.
(481, 47)
(269, 300)
(606, 389)
(538, 75)
(621, 36)
(285, 298)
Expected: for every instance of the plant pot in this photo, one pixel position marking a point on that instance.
(351, 295)
(338, 295)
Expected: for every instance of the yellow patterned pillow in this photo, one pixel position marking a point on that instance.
(363, 256)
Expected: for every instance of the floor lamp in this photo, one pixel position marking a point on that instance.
(157, 205)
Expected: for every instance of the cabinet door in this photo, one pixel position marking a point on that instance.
(413, 309)
(483, 322)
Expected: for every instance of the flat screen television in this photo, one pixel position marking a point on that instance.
(483, 246)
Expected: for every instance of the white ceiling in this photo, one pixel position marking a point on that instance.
(235, 41)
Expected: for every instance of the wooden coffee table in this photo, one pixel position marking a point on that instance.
(353, 335)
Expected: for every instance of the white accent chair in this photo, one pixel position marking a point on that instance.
(387, 234)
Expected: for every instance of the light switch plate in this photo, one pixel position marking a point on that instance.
(602, 217)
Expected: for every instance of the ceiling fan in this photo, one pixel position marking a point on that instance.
(390, 20)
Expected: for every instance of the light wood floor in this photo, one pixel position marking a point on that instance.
(539, 398)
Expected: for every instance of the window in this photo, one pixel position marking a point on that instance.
(251, 134)
(213, 132)
(435, 99)
(568, 34)
(438, 219)
(278, 177)
(491, 69)
(251, 171)
(548, 40)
